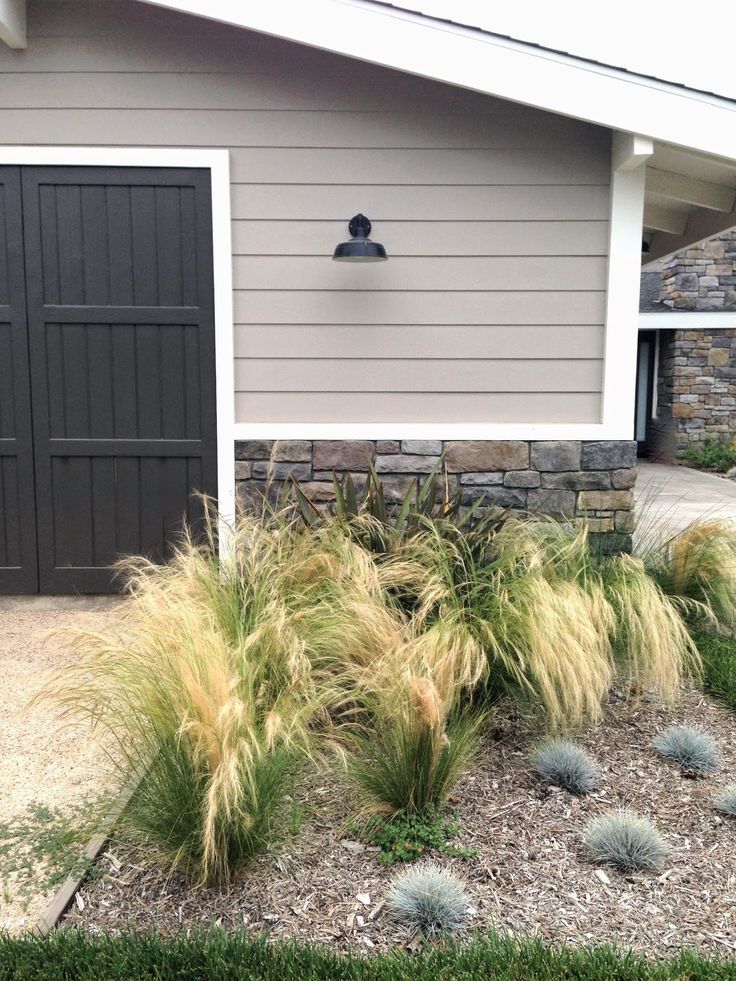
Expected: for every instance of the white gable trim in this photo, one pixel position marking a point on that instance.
(485, 63)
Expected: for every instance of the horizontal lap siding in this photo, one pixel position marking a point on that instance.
(495, 216)
(433, 407)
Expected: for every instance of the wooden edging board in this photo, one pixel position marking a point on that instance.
(64, 895)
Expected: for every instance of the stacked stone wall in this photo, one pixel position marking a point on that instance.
(696, 390)
(561, 477)
(702, 277)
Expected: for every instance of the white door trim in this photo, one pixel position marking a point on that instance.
(218, 164)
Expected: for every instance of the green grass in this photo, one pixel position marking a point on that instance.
(712, 454)
(219, 956)
(719, 666)
(40, 847)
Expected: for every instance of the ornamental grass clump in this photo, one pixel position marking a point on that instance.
(562, 763)
(428, 900)
(542, 635)
(651, 644)
(410, 750)
(626, 841)
(694, 751)
(697, 567)
(726, 800)
(206, 691)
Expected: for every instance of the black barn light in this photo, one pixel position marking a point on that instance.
(360, 248)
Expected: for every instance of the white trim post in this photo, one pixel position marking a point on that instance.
(222, 266)
(629, 154)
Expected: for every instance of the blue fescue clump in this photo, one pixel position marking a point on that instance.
(626, 841)
(726, 800)
(694, 751)
(566, 765)
(428, 900)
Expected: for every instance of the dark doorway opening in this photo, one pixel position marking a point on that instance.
(645, 389)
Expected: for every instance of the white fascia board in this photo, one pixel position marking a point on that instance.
(13, 23)
(488, 64)
(688, 320)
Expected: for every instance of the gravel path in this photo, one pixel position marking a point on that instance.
(43, 765)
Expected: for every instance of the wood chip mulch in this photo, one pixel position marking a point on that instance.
(529, 876)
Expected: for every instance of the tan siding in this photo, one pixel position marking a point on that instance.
(505, 166)
(262, 127)
(462, 204)
(437, 375)
(491, 307)
(366, 307)
(446, 273)
(432, 341)
(455, 238)
(350, 406)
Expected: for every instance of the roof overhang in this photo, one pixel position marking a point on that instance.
(473, 59)
(13, 23)
(691, 174)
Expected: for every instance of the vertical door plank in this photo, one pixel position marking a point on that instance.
(18, 559)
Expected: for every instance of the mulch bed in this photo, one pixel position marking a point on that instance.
(529, 875)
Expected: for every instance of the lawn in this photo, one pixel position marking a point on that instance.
(234, 956)
(375, 728)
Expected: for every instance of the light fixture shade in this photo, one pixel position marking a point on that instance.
(360, 248)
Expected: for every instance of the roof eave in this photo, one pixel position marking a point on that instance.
(482, 62)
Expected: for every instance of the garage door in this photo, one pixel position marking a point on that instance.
(107, 369)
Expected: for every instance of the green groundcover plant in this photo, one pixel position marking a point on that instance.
(712, 454)
(219, 956)
(408, 837)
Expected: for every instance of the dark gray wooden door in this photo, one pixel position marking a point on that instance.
(119, 299)
(18, 568)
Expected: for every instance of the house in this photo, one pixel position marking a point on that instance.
(175, 179)
(686, 369)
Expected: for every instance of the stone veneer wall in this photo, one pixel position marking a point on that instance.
(702, 277)
(565, 477)
(696, 389)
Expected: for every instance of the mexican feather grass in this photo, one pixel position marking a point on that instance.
(697, 567)
(207, 689)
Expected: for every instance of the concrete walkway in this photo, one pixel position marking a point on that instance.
(670, 497)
